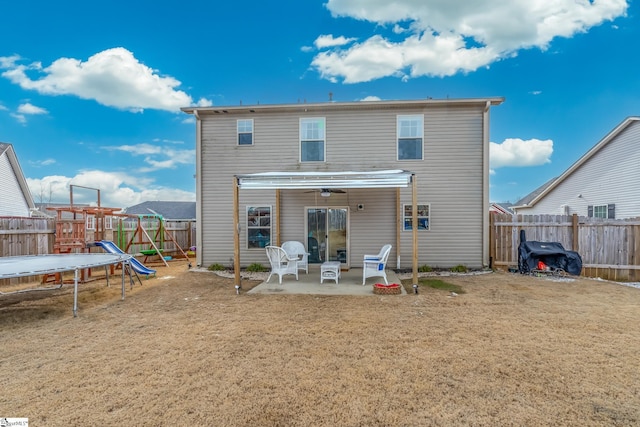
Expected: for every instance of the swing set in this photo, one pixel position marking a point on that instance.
(149, 238)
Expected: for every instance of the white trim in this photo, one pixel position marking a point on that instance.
(315, 180)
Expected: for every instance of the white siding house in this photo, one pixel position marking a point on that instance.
(341, 178)
(605, 182)
(15, 197)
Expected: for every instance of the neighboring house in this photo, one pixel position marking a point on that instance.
(340, 177)
(15, 197)
(604, 183)
(174, 211)
(500, 208)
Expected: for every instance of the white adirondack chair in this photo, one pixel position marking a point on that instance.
(281, 263)
(374, 265)
(296, 250)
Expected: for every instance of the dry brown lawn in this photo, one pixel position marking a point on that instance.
(184, 349)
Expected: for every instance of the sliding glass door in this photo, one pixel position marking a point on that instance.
(327, 231)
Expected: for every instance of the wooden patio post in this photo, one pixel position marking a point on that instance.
(414, 222)
(277, 222)
(236, 234)
(399, 216)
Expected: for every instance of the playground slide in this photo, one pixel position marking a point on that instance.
(137, 266)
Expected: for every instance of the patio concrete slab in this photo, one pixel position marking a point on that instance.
(350, 283)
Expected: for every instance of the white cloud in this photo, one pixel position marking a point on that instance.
(113, 77)
(20, 118)
(327, 40)
(371, 98)
(445, 38)
(45, 162)
(116, 189)
(28, 108)
(516, 152)
(158, 156)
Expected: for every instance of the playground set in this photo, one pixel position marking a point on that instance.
(81, 228)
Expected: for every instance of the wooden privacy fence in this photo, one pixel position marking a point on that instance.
(25, 236)
(610, 249)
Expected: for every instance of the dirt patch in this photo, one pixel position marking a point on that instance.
(183, 348)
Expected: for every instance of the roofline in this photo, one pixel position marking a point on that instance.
(342, 105)
(17, 169)
(589, 154)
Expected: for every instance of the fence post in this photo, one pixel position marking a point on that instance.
(492, 240)
(574, 228)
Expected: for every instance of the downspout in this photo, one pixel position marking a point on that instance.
(199, 220)
(485, 185)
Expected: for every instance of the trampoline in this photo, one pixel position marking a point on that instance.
(33, 265)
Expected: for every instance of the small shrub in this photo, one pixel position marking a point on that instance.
(216, 267)
(425, 269)
(459, 269)
(256, 268)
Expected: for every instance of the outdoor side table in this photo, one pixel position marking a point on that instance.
(330, 270)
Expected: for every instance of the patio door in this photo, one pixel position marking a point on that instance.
(328, 234)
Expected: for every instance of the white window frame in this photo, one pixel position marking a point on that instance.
(598, 210)
(320, 137)
(414, 132)
(90, 222)
(424, 216)
(242, 130)
(257, 222)
(108, 222)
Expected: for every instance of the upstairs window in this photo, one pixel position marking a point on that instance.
(245, 132)
(312, 134)
(410, 136)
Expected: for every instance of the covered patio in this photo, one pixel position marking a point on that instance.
(350, 283)
(326, 181)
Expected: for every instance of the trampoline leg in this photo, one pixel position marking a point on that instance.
(75, 293)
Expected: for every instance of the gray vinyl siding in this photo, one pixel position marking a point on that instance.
(450, 179)
(12, 201)
(610, 176)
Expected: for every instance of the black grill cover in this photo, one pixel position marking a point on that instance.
(552, 254)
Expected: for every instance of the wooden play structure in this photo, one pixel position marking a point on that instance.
(78, 228)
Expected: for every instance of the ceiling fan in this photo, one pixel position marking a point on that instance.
(326, 192)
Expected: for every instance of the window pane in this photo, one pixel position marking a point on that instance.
(258, 227)
(409, 128)
(410, 149)
(245, 139)
(600, 211)
(312, 151)
(245, 126)
(312, 129)
(423, 217)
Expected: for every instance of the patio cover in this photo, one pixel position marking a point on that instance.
(394, 178)
(315, 180)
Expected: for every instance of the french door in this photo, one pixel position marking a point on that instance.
(328, 234)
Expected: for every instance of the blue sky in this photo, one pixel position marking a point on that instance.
(90, 92)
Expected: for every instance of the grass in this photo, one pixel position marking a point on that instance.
(441, 285)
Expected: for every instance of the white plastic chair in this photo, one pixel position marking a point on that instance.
(374, 265)
(281, 263)
(296, 250)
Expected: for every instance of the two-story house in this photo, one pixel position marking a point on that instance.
(344, 178)
(603, 183)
